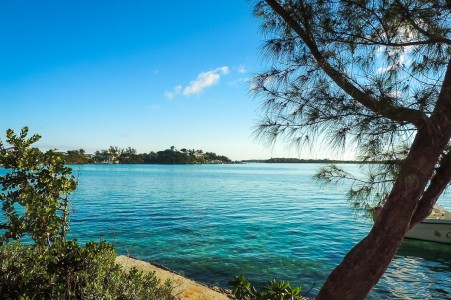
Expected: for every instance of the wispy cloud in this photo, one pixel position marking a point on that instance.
(203, 80)
(242, 69)
(172, 94)
(380, 50)
(238, 81)
(401, 60)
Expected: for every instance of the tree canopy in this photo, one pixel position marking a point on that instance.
(368, 72)
(374, 75)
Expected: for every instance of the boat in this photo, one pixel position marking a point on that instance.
(435, 228)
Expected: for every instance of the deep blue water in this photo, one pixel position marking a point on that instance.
(266, 221)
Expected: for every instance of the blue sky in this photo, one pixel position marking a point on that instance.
(145, 74)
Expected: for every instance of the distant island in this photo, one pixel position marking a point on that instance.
(116, 155)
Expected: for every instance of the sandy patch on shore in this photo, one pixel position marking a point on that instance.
(184, 288)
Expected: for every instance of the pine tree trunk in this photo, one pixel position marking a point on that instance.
(367, 261)
(365, 264)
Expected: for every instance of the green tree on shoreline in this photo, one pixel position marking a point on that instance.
(35, 200)
(35, 191)
(376, 74)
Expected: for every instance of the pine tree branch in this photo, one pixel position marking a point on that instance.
(365, 41)
(430, 36)
(388, 110)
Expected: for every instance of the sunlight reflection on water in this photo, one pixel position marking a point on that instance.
(267, 221)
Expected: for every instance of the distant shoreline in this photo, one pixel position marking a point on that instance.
(173, 156)
(258, 161)
(310, 161)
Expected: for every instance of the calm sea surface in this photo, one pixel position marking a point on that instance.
(211, 222)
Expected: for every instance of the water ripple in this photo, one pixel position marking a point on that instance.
(266, 221)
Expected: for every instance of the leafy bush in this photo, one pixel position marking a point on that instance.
(34, 199)
(34, 192)
(66, 270)
(274, 290)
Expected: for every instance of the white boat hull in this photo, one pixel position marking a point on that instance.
(432, 230)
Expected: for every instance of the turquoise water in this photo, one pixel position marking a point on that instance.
(266, 221)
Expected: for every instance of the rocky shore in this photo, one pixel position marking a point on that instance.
(184, 288)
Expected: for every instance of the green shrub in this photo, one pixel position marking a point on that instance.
(66, 270)
(274, 290)
(34, 194)
(34, 198)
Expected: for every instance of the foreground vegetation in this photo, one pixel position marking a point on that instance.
(67, 270)
(243, 289)
(35, 207)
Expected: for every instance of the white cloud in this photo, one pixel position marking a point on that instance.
(383, 69)
(171, 94)
(379, 51)
(238, 81)
(404, 34)
(402, 60)
(204, 80)
(242, 69)
(395, 94)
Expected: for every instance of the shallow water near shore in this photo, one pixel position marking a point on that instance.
(211, 222)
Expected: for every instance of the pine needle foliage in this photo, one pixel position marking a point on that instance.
(352, 74)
